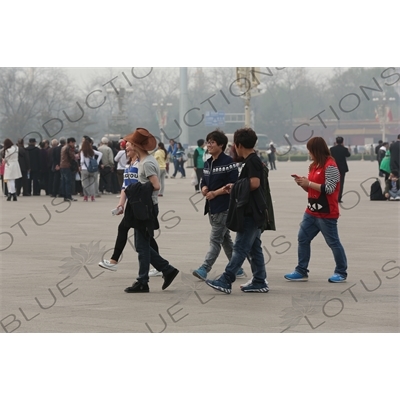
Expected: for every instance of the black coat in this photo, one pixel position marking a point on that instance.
(23, 159)
(34, 158)
(340, 153)
(395, 156)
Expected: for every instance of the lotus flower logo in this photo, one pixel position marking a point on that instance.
(82, 256)
(303, 306)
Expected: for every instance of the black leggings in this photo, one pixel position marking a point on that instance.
(122, 238)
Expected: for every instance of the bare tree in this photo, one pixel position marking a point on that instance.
(31, 96)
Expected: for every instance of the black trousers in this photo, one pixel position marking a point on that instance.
(23, 184)
(342, 176)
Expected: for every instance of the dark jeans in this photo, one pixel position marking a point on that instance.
(122, 238)
(66, 179)
(199, 174)
(147, 255)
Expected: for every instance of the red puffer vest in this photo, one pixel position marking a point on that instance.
(322, 205)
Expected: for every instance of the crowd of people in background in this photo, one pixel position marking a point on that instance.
(60, 168)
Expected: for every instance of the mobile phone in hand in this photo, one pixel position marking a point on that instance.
(115, 211)
(295, 176)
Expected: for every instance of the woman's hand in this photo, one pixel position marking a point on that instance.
(302, 182)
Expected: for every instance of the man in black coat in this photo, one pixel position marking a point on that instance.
(56, 161)
(34, 162)
(340, 153)
(395, 155)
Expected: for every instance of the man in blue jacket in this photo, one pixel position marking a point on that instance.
(219, 171)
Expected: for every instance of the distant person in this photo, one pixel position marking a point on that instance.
(385, 163)
(56, 155)
(181, 159)
(272, 156)
(88, 177)
(34, 162)
(106, 167)
(161, 155)
(198, 163)
(121, 159)
(392, 187)
(172, 149)
(12, 170)
(395, 155)
(23, 160)
(340, 154)
(67, 158)
(44, 173)
(378, 157)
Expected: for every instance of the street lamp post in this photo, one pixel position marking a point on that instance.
(162, 114)
(247, 80)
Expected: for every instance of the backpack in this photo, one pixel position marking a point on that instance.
(376, 191)
(93, 165)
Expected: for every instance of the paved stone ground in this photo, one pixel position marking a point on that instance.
(50, 281)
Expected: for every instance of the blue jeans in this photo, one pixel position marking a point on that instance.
(247, 244)
(220, 235)
(309, 228)
(66, 179)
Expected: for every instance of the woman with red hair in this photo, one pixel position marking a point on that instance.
(322, 213)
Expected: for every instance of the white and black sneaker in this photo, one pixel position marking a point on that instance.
(108, 265)
(154, 272)
(255, 288)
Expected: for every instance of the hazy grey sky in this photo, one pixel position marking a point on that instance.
(84, 74)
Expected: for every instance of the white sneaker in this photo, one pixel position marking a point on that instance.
(108, 265)
(397, 198)
(249, 282)
(154, 272)
(391, 198)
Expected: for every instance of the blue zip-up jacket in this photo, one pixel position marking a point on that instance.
(216, 174)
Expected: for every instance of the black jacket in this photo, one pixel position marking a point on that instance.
(243, 203)
(340, 153)
(140, 212)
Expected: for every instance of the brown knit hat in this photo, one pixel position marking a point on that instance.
(143, 139)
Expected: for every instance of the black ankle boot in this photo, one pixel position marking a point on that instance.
(14, 196)
(9, 197)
